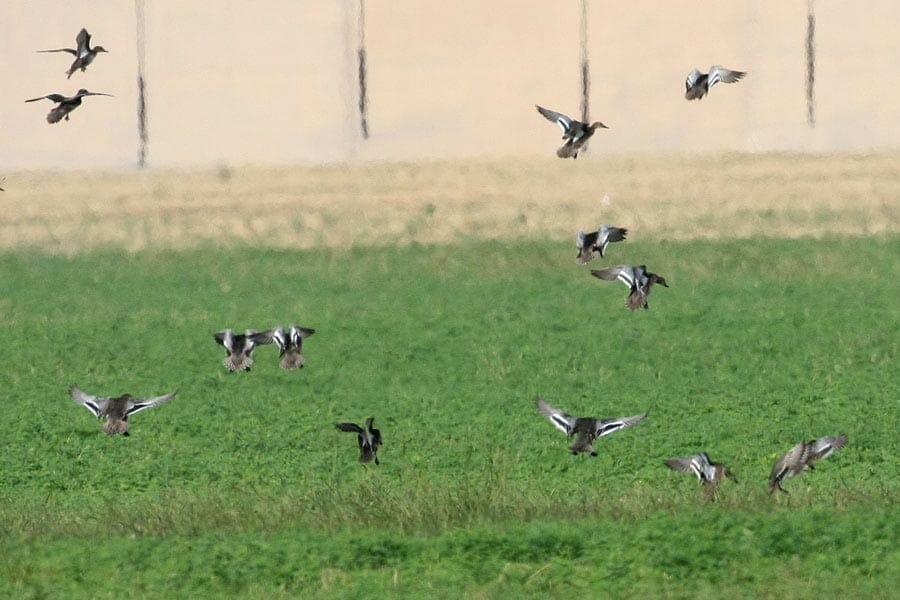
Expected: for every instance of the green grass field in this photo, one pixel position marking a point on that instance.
(241, 485)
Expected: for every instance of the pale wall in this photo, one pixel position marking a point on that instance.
(274, 81)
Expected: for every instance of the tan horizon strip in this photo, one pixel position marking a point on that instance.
(676, 197)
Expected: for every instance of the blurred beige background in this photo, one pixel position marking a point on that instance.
(274, 81)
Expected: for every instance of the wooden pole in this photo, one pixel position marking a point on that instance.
(141, 83)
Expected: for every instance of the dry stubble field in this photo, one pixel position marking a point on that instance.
(736, 195)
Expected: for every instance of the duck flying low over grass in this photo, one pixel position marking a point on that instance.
(238, 348)
(697, 84)
(83, 53)
(575, 133)
(800, 458)
(708, 473)
(289, 342)
(594, 243)
(585, 429)
(116, 410)
(65, 104)
(368, 438)
(638, 279)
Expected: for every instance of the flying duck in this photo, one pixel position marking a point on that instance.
(575, 133)
(594, 243)
(369, 439)
(115, 410)
(238, 348)
(587, 429)
(638, 279)
(708, 473)
(65, 104)
(83, 53)
(290, 343)
(800, 458)
(697, 84)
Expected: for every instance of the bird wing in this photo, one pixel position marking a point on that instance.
(270, 336)
(95, 404)
(82, 42)
(53, 97)
(138, 404)
(69, 50)
(588, 240)
(298, 333)
(608, 233)
(564, 122)
(351, 427)
(692, 78)
(608, 426)
(795, 457)
(586, 243)
(825, 446)
(225, 338)
(683, 464)
(246, 342)
(561, 420)
(717, 74)
(623, 273)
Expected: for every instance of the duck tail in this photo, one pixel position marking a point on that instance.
(567, 151)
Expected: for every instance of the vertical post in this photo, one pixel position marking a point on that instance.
(810, 63)
(141, 83)
(361, 56)
(585, 68)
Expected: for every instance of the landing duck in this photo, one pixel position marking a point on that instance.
(116, 410)
(575, 133)
(585, 429)
(638, 279)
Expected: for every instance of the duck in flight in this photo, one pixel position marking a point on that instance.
(116, 410)
(801, 458)
(83, 53)
(238, 348)
(585, 429)
(697, 84)
(368, 438)
(638, 279)
(594, 243)
(289, 342)
(65, 104)
(575, 133)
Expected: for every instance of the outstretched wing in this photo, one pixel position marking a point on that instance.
(82, 42)
(350, 427)
(299, 333)
(95, 404)
(826, 446)
(684, 464)
(623, 273)
(608, 426)
(69, 50)
(564, 122)
(136, 405)
(271, 336)
(53, 97)
(561, 420)
(225, 338)
(692, 79)
(607, 234)
(717, 74)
